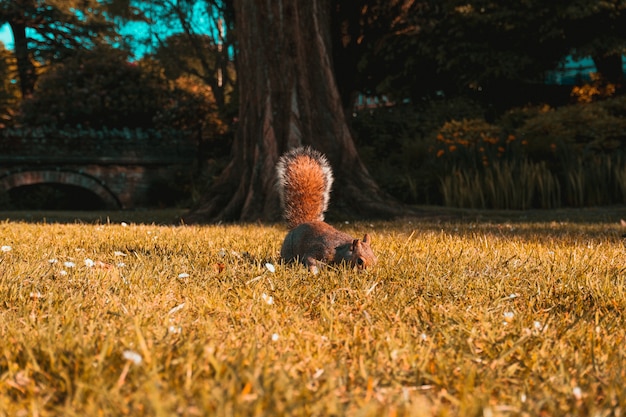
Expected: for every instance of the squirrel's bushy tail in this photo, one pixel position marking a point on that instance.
(304, 180)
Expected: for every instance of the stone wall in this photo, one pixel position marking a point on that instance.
(121, 169)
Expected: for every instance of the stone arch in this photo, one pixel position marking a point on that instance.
(18, 179)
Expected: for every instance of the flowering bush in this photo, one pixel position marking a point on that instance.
(473, 142)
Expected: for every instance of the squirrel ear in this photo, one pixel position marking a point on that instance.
(366, 238)
(355, 244)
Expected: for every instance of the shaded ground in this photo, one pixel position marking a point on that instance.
(611, 214)
(164, 217)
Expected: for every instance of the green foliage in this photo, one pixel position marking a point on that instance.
(95, 89)
(498, 316)
(101, 89)
(534, 157)
(584, 128)
(394, 144)
(198, 56)
(453, 46)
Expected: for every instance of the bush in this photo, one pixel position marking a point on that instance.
(582, 128)
(393, 142)
(94, 89)
(101, 89)
(535, 157)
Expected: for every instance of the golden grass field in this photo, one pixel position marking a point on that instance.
(494, 314)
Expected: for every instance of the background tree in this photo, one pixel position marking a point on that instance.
(288, 98)
(178, 57)
(365, 34)
(49, 30)
(202, 45)
(421, 49)
(598, 29)
(9, 92)
(102, 89)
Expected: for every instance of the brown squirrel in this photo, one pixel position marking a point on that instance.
(304, 180)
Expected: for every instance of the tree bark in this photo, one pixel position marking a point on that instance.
(288, 98)
(25, 67)
(610, 68)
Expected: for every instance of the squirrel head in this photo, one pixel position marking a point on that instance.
(362, 255)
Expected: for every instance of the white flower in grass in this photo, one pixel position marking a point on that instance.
(89, 263)
(124, 224)
(183, 275)
(275, 337)
(63, 272)
(132, 356)
(175, 329)
(121, 264)
(508, 316)
(270, 267)
(52, 261)
(69, 264)
(577, 392)
(118, 253)
(267, 298)
(6, 248)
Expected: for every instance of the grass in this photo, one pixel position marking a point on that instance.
(483, 314)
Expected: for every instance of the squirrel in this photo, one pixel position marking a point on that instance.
(304, 180)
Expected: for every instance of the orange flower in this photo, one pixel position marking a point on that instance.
(452, 148)
(440, 153)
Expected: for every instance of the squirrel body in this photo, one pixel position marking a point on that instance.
(304, 181)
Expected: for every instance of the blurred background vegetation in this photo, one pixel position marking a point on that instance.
(460, 103)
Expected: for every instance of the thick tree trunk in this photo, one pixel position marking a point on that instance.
(288, 98)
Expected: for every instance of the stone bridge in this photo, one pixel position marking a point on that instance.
(121, 167)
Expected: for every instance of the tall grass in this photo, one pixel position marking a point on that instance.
(503, 185)
(522, 184)
(492, 317)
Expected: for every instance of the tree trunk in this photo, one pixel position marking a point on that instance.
(288, 98)
(25, 67)
(610, 68)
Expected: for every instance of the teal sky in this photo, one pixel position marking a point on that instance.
(140, 31)
(5, 36)
(143, 33)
